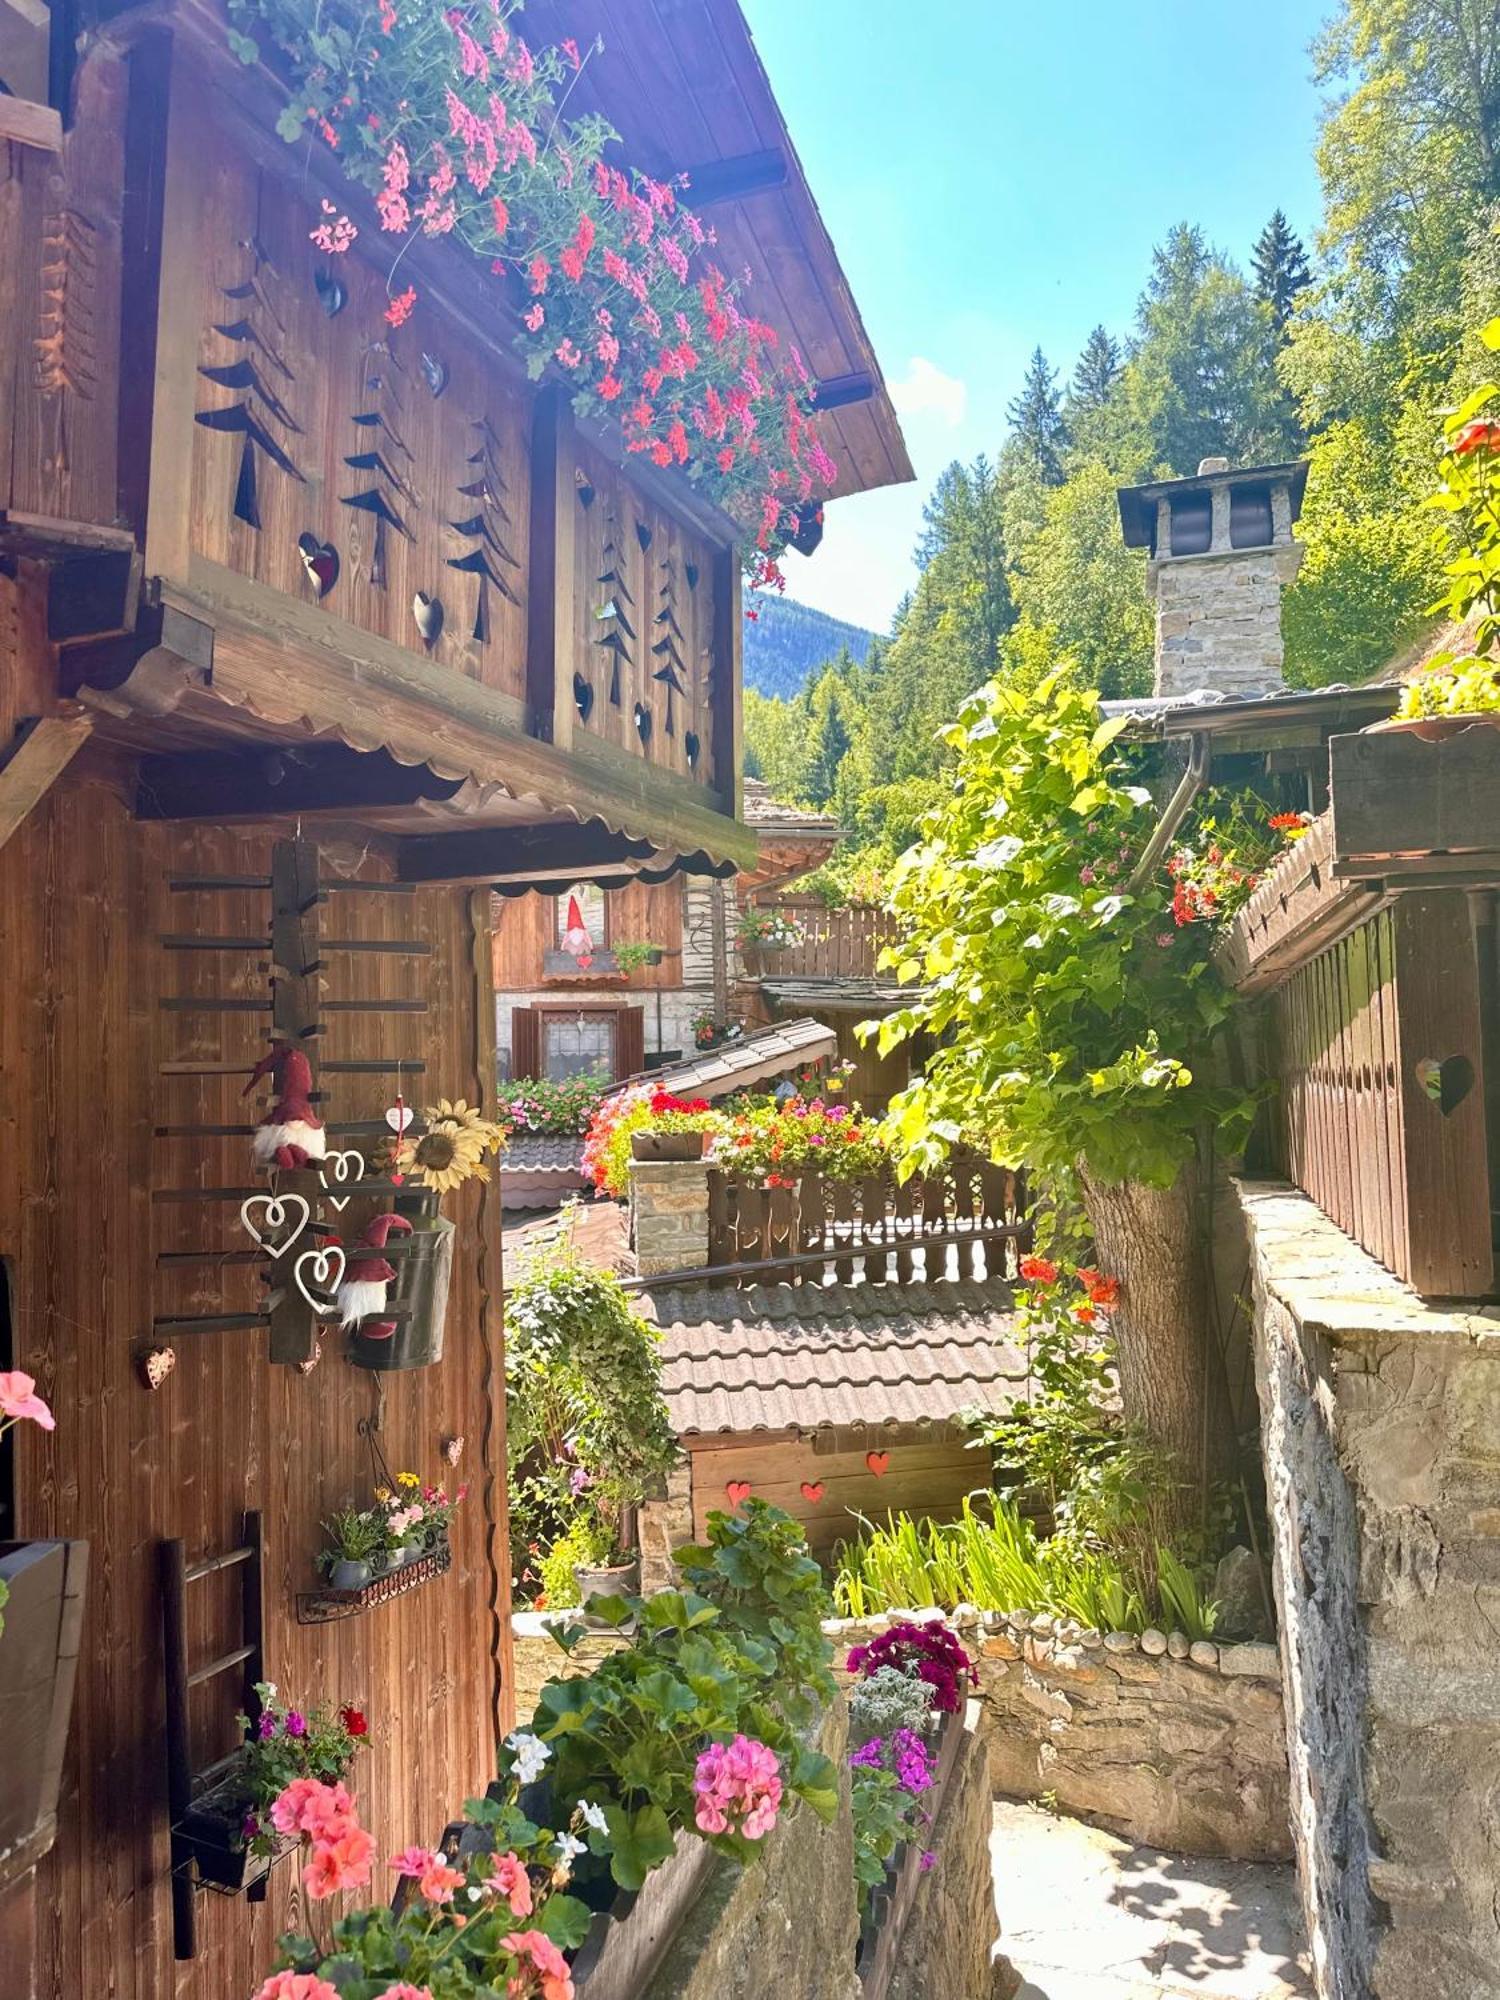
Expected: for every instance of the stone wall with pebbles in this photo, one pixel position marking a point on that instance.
(1163, 1741)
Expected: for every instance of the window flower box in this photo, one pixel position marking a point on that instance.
(322, 1607)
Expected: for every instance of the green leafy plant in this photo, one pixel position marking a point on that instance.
(284, 1743)
(586, 1544)
(632, 955)
(550, 1106)
(588, 1430)
(1184, 1604)
(355, 1534)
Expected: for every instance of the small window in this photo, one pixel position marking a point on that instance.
(578, 1045)
(582, 924)
(1250, 517)
(1192, 523)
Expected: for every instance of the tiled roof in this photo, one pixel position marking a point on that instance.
(538, 1170)
(768, 815)
(754, 1058)
(839, 991)
(535, 1151)
(1211, 708)
(803, 1357)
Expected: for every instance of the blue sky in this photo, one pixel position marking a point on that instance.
(995, 173)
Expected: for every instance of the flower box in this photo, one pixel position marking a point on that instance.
(889, 1906)
(212, 1832)
(38, 1655)
(628, 1941)
(561, 968)
(667, 1145)
(321, 1607)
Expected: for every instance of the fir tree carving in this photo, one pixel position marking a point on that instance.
(667, 647)
(485, 526)
(614, 614)
(258, 378)
(381, 456)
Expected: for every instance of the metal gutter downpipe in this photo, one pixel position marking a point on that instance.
(1192, 781)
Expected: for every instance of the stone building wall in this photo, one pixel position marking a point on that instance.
(1218, 620)
(1381, 1439)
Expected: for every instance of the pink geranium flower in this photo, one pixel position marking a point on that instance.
(323, 1812)
(18, 1400)
(510, 1880)
(343, 1863)
(414, 1861)
(738, 1787)
(403, 1991)
(297, 1986)
(557, 1980)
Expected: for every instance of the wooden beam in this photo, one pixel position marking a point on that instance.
(837, 392)
(727, 693)
(549, 605)
(26, 124)
(268, 783)
(38, 759)
(484, 854)
(732, 179)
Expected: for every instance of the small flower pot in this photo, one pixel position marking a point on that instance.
(214, 1829)
(667, 1145)
(405, 1552)
(349, 1575)
(620, 1582)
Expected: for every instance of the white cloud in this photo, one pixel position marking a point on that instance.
(925, 388)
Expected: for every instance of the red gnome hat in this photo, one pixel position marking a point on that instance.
(290, 1134)
(576, 939)
(362, 1288)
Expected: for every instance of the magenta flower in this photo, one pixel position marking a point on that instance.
(266, 1727)
(18, 1400)
(296, 1723)
(738, 1787)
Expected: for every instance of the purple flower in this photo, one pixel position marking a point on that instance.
(251, 1827)
(266, 1727)
(580, 1481)
(929, 1859)
(296, 1723)
(871, 1754)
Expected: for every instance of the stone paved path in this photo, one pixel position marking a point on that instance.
(1084, 1916)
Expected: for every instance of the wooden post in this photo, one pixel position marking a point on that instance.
(179, 1750)
(294, 1018)
(728, 676)
(549, 599)
(40, 757)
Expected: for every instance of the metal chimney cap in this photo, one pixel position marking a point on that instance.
(1138, 503)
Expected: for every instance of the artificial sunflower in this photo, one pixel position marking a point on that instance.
(451, 1148)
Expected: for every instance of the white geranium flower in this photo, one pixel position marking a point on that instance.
(593, 1816)
(568, 1847)
(531, 1755)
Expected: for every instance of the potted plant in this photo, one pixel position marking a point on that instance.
(1453, 694)
(356, 1535)
(630, 955)
(228, 1827)
(763, 933)
(677, 1129)
(588, 1562)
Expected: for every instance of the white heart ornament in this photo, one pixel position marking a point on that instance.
(398, 1118)
(325, 1269)
(276, 1211)
(340, 1166)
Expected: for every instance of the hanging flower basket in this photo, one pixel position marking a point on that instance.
(213, 1831)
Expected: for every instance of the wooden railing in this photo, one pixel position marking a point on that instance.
(835, 944)
(1380, 1063)
(970, 1220)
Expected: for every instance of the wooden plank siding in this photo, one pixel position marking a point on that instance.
(835, 944)
(84, 898)
(1381, 1107)
(928, 1479)
(525, 929)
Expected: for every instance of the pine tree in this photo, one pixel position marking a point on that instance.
(1096, 374)
(1280, 265)
(1036, 418)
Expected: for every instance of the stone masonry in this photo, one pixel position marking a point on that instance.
(669, 1215)
(1381, 1440)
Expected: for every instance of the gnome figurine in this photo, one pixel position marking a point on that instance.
(575, 938)
(362, 1289)
(290, 1134)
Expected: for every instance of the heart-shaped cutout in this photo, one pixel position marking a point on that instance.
(812, 1490)
(879, 1462)
(643, 722)
(318, 1274)
(690, 571)
(321, 561)
(332, 296)
(398, 1117)
(583, 697)
(428, 612)
(434, 373)
(737, 1492)
(344, 1167)
(275, 1210)
(1447, 1082)
(156, 1364)
(692, 746)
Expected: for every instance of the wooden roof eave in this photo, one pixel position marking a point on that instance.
(235, 661)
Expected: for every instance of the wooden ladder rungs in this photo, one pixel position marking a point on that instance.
(189, 883)
(209, 1323)
(187, 941)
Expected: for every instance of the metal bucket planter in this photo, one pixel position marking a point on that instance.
(38, 1656)
(622, 1581)
(213, 1832)
(418, 1296)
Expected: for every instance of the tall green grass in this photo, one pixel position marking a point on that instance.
(992, 1557)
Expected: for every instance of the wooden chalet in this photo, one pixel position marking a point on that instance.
(277, 716)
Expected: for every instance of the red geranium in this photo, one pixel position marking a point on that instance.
(1038, 1270)
(354, 1721)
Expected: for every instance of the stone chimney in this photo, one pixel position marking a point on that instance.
(669, 1215)
(1221, 553)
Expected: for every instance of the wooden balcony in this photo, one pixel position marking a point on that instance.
(835, 944)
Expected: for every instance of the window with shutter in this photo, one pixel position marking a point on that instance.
(525, 1041)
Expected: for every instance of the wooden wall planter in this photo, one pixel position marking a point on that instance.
(322, 1607)
(1402, 805)
(38, 1658)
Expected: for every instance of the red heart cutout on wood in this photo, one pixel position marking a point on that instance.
(737, 1492)
(878, 1462)
(812, 1489)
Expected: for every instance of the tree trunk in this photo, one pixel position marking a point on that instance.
(1148, 1238)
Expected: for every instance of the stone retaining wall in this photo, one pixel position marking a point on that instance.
(1381, 1439)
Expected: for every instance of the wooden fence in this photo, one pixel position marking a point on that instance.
(835, 944)
(1381, 1070)
(970, 1220)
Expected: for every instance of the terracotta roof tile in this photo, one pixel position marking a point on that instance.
(801, 1357)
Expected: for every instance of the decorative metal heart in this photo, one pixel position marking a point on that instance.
(453, 1449)
(339, 1163)
(277, 1210)
(156, 1364)
(325, 1269)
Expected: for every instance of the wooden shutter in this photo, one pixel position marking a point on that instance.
(525, 1041)
(630, 1041)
